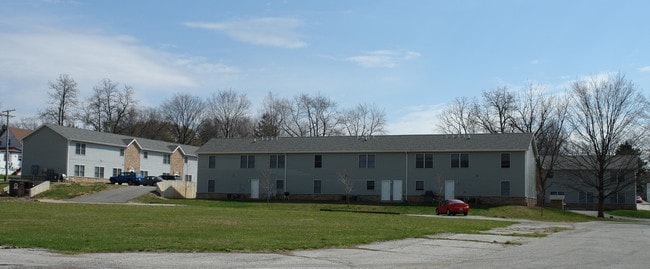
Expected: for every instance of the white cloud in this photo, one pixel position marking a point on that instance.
(30, 58)
(645, 69)
(270, 31)
(416, 120)
(382, 58)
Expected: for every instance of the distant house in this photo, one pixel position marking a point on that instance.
(86, 155)
(485, 168)
(571, 173)
(15, 146)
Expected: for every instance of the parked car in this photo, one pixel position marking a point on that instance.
(151, 180)
(453, 207)
(170, 177)
(639, 200)
(130, 178)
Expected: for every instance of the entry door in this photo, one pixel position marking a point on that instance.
(397, 190)
(255, 188)
(385, 190)
(449, 189)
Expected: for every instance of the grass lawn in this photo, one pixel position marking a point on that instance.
(206, 225)
(641, 214)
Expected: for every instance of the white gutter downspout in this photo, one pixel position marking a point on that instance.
(406, 175)
(286, 162)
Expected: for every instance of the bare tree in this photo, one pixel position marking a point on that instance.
(184, 113)
(29, 123)
(108, 108)
(364, 120)
(63, 101)
(148, 123)
(267, 184)
(459, 117)
(495, 113)
(605, 113)
(230, 112)
(348, 184)
(309, 116)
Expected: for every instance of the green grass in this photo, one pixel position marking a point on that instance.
(641, 214)
(209, 226)
(531, 213)
(73, 189)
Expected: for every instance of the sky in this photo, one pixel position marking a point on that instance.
(411, 58)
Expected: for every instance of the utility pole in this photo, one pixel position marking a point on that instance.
(7, 113)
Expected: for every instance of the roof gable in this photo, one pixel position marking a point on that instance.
(116, 140)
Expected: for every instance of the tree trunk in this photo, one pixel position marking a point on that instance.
(601, 202)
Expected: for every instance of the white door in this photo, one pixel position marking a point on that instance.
(385, 190)
(397, 190)
(449, 189)
(255, 188)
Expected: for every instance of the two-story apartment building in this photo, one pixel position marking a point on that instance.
(84, 154)
(489, 168)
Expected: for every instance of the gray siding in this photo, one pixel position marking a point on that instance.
(45, 149)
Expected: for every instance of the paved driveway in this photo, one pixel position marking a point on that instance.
(118, 195)
(583, 245)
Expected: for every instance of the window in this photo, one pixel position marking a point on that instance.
(459, 160)
(590, 197)
(505, 160)
(186, 159)
(276, 161)
(144, 173)
(557, 193)
(188, 178)
(505, 188)
(80, 149)
(167, 159)
(117, 171)
(317, 186)
(211, 184)
(99, 172)
(318, 161)
(419, 185)
(279, 186)
(212, 161)
(616, 177)
(366, 160)
(145, 154)
(424, 160)
(79, 170)
(121, 152)
(247, 161)
(582, 197)
(370, 185)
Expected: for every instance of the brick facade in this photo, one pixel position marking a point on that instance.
(132, 158)
(177, 164)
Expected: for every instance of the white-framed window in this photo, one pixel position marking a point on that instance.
(317, 186)
(366, 160)
(459, 160)
(276, 161)
(121, 152)
(188, 178)
(505, 188)
(424, 160)
(79, 171)
(505, 160)
(80, 149)
(212, 161)
(167, 159)
(419, 185)
(145, 154)
(247, 161)
(117, 171)
(99, 172)
(144, 173)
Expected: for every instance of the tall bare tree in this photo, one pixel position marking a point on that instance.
(62, 108)
(604, 114)
(459, 117)
(184, 113)
(148, 123)
(495, 113)
(364, 120)
(309, 116)
(108, 108)
(229, 111)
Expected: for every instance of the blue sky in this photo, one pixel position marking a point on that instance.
(409, 57)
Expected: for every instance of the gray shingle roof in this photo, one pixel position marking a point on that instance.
(387, 143)
(88, 136)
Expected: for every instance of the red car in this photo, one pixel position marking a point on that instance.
(453, 207)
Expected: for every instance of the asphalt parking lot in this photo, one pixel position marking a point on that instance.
(601, 244)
